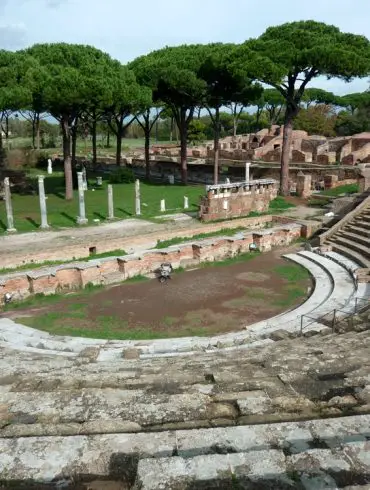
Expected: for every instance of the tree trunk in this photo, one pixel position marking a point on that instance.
(74, 145)
(147, 147)
(34, 133)
(235, 126)
(67, 157)
(38, 132)
(119, 146)
(7, 131)
(183, 146)
(156, 131)
(285, 152)
(93, 130)
(258, 116)
(216, 145)
(108, 138)
(171, 130)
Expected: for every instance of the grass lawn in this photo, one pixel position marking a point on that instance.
(342, 189)
(61, 213)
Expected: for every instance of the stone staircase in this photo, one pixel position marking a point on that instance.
(351, 236)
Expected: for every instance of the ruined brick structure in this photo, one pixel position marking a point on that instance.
(266, 145)
(227, 201)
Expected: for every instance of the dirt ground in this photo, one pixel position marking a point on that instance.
(203, 301)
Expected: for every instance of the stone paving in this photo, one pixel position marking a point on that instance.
(62, 417)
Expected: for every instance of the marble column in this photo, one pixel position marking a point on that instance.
(42, 198)
(163, 205)
(110, 202)
(50, 166)
(247, 165)
(8, 205)
(137, 198)
(186, 202)
(81, 220)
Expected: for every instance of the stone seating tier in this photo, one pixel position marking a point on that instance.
(67, 419)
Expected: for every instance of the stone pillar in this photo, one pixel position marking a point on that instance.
(42, 198)
(330, 181)
(81, 220)
(50, 166)
(163, 205)
(247, 177)
(110, 202)
(84, 179)
(137, 198)
(304, 185)
(8, 205)
(186, 202)
(364, 179)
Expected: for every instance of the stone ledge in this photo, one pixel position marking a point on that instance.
(264, 451)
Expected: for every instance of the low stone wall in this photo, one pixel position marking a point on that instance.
(107, 243)
(332, 181)
(308, 228)
(110, 270)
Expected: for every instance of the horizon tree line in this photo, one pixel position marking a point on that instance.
(82, 87)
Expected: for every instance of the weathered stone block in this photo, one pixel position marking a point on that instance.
(68, 278)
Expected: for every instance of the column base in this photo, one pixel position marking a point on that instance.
(44, 227)
(11, 230)
(111, 217)
(82, 221)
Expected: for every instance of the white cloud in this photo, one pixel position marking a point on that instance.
(126, 28)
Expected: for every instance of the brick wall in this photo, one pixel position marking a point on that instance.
(77, 275)
(231, 203)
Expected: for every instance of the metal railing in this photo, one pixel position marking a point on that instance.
(337, 316)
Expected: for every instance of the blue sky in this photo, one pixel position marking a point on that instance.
(128, 28)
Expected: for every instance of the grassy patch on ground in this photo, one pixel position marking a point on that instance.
(280, 204)
(231, 260)
(292, 272)
(342, 189)
(40, 300)
(177, 240)
(104, 327)
(63, 214)
(315, 202)
(290, 296)
(294, 289)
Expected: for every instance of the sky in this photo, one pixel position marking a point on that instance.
(127, 28)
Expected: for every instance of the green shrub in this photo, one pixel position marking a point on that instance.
(122, 175)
